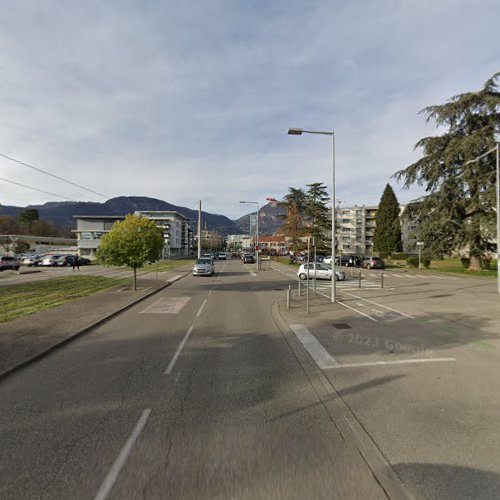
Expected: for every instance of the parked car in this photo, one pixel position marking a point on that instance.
(248, 259)
(50, 260)
(9, 262)
(204, 267)
(67, 260)
(222, 256)
(319, 271)
(30, 260)
(373, 263)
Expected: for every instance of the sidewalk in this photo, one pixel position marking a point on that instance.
(25, 339)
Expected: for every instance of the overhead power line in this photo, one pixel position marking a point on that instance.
(52, 175)
(35, 189)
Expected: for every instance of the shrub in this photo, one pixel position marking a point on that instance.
(399, 256)
(426, 262)
(412, 261)
(465, 261)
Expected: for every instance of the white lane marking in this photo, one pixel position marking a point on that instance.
(112, 476)
(436, 277)
(252, 273)
(179, 349)
(313, 347)
(166, 305)
(380, 305)
(411, 276)
(355, 310)
(395, 362)
(201, 308)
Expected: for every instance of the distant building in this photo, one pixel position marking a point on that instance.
(177, 233)
(355, 228)
(37, 244)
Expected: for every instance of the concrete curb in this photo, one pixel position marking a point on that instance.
(342, 416)
(85, 330)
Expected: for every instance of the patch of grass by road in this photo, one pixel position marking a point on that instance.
(167, 265)
(28, 298)
(447, 266)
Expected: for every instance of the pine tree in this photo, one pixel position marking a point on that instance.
(317, 212)
(459, 210)
(387, 236)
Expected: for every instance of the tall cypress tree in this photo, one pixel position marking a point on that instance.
(387, 237)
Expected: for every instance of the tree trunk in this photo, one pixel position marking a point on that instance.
(475, 263)
(134, 285)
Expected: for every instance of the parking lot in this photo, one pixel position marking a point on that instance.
(417, 363)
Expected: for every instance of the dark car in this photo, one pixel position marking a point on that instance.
(67, 260)
(9, 262)
(248, 259)
(373, 263)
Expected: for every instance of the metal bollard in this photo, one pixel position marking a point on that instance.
(359, 285)
(288, 295)
(300, 287)
(382, 279)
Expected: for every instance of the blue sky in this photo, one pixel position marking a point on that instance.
(192, 100)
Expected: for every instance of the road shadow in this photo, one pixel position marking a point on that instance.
(449, 482)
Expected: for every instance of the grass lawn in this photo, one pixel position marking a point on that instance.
(448, 266)
(167, 265)
(28, 298)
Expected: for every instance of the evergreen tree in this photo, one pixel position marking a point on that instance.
(459, 210)
(27, 217)
(317, 212)
(387, 236)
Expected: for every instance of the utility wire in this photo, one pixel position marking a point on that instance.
(52, 175)
(36, 189)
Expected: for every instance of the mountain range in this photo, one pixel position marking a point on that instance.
(61, 213)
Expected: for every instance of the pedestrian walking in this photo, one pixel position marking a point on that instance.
(76, 262)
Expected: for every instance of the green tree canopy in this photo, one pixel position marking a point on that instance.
(458, 211)
(317, 212)
(294, 204)
(132, 242)
(387, 236)
(27, 216)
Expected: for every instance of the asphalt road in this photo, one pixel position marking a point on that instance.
(417, 362)
(194, 393)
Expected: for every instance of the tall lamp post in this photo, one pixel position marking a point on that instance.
(299, 131)
(420, 244)
(256, 231)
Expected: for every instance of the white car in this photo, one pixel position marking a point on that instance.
(204, 267)
(49, 260)
(319, 271)
(222, 256)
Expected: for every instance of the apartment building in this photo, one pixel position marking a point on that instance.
(177, 233)
(355, 228)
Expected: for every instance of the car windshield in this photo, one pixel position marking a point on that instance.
(203, 261)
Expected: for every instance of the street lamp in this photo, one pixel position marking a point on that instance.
(299, 131)
(420, 244)
(256, 231)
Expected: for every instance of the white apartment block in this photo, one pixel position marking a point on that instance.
(177, 233)
(355, 227)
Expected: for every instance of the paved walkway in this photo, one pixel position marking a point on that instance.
(25, 339)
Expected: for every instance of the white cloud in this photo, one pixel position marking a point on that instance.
(186, 100)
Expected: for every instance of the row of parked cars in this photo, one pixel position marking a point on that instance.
(50, 260)
(369, 262)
